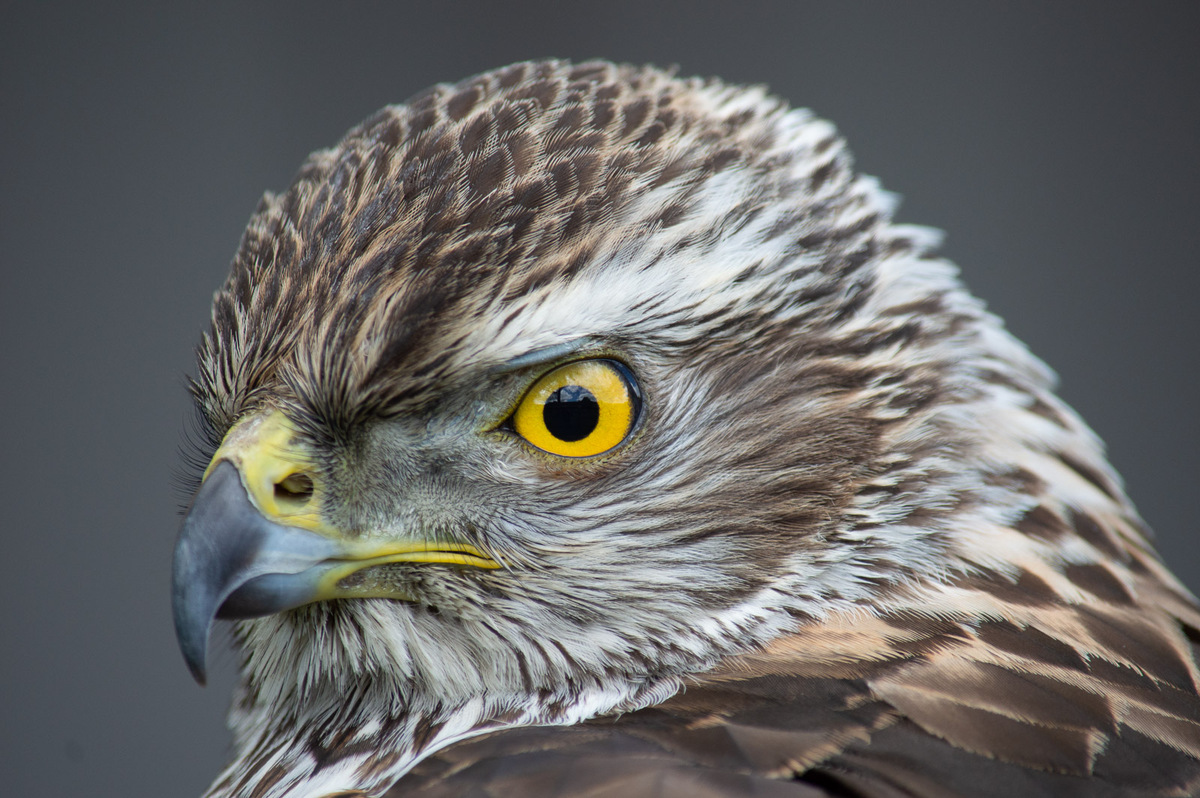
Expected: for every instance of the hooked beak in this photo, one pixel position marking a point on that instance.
(228, 550)
(250, 547)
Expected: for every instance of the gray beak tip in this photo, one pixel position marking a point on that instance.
(192, 634)
(232, 562)
(195, 663)
(201, 572)
(193, 610)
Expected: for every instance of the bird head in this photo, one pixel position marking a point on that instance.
(569, 380)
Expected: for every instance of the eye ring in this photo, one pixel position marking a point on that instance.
(580, 409)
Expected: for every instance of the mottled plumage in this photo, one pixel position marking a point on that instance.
(852, 546)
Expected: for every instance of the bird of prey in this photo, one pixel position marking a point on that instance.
(583, 430)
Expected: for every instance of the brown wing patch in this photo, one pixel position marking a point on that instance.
(995, 734)
(1105, 690)
(1034, 704)
(587, 760)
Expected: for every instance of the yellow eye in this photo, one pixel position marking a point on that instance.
(580, 409)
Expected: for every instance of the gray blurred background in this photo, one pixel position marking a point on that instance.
(1058, 146)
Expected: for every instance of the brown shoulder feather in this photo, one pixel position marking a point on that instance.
(1055, 700)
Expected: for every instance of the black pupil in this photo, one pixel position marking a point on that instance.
(571, 413)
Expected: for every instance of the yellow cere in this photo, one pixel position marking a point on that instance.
(279, 476)
(581, 409)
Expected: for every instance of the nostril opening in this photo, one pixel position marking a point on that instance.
(294, 488)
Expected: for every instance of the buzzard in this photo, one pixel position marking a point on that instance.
(582, 430)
